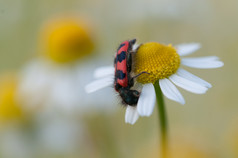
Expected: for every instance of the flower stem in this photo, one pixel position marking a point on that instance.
(162, 120)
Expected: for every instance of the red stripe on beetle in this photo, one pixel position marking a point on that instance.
(121, 63)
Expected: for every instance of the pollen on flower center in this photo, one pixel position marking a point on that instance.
(157, 59)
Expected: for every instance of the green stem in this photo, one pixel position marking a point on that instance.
(162, 120)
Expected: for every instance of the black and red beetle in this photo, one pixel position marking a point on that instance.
(123, 82)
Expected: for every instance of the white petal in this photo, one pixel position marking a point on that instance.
(202, 62)
(187, 84)
(202, 59)
(146, 100)
(104, 71)
(170, 91)
(131, 115)
(135, 46)
(187, 48)
(99, 84)
(185, 74)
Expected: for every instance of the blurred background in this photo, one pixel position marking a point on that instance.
(49, 49)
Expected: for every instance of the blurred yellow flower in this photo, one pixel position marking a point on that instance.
(10, 110)
(66, 40)
(56, 79)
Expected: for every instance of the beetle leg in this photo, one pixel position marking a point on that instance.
(143, 72)
(130, 81)
(129, 62)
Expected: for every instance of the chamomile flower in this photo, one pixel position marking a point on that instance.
(56, 78)
(164, 66)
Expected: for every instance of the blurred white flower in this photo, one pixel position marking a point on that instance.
(56, 79)
(44, 84)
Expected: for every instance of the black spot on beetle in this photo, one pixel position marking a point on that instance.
(121, 56)
(120, 74)
(123, 44)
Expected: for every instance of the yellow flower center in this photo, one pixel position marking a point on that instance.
(10, 109)
(66, 40)
(159, 60)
